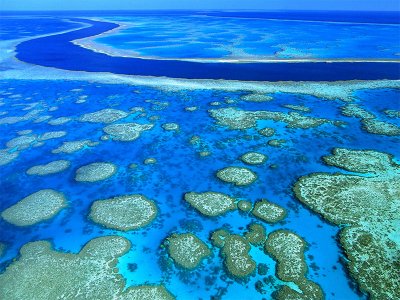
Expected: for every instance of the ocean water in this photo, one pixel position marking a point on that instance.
(214, 37)
(180, 168)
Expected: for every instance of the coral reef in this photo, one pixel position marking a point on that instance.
(123, 213)
(268, 212)
(287, 249)
(59, 121)
(126, 132)
(74, 146)
(95, 172)
(257, 98)
(107, 115)
(150, 161)
(367, 207)
(391, 113)
(49, 168)
(253, 158)
(170, 126)
(235, 118)
(245, 206)
(210, 203)
(237, 260)
(237, 175)
(268, 132)
(43, 273)
(21, 142)
(256, 234)
(6, 157)
(369, 121)
(51, 135)
(187, 250)
(35, 208)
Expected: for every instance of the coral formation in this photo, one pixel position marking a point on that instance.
(235, 118)
(268, 132)
(391, 113)
(126, 132)
(257, 98)
(52, 135)
(253, 158)
(59, 121)
(245, 206)
(124, 213)
(367, 207)
(2, 249)
(276, 143)
(74, 146)
(107, 115)
(95, 172)
(49, 168)
(237, 260)
(187, 250)
(170, 126)
(6, 157)
(43, 273)
(35, 208)
(287, 249)
(369, 121)
(21, 142)
(210, 203)
(256, 234)
(237, 175)
(150, 161)
(268, 212)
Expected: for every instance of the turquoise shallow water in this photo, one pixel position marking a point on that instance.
(180, 169)
(201, 36)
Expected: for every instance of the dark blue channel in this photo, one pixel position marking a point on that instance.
(57, 51)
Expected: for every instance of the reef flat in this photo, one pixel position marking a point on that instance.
(107, 115)
(210, 203)
(95, 172)
(126, 132)
(268, 212)
(124, 212)
(237, 175)
(288, 250)
(74, 146)
(253, 158)
(35, 208)
(235, 251)
(187, 250)
(368, 207)
(43, 273)
(240, 119)
(49, 168)
(369, 121)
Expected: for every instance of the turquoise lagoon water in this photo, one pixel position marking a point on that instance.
(180, 168)
(203, 36)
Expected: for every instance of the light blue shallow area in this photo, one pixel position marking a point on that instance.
(23, 26)
(180, 169)
(200, 36)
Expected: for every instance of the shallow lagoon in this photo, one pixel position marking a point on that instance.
(212, 37)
